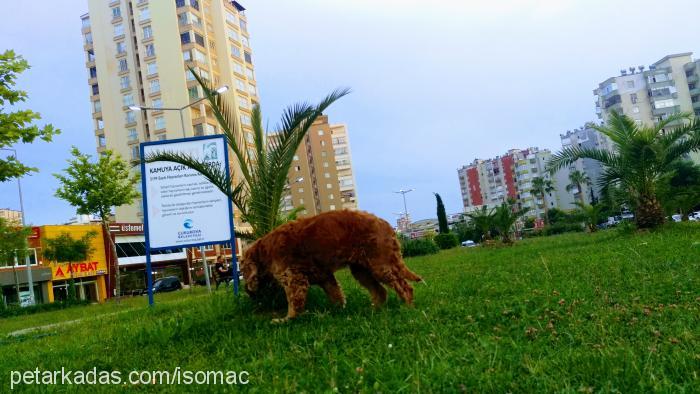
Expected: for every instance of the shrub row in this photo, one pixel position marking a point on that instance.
(15, 310)
(418, 247)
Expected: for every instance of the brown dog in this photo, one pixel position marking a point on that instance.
(308, 251)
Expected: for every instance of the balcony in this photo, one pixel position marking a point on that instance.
(693, 78)
(666, 110)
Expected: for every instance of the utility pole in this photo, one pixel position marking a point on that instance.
(405, 208)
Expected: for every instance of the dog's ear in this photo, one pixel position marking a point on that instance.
(249, 268)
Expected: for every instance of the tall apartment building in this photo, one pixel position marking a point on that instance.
(137, 55)
(321, 177)
(584, 137)
(651, 94)
(11, 216)
(493, 181)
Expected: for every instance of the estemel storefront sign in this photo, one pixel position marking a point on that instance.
(182, 207)
(62, 271)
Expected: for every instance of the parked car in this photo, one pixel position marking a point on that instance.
(170, 283)
(694, 217)
(627, 216)
(614, 220)
(469, 243)
(677, 217)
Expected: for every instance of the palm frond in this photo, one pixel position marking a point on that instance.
(568, 156)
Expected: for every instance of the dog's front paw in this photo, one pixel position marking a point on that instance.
(280, 320)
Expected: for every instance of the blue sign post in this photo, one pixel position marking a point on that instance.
(181, 208)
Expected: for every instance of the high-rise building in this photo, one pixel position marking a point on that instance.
(321, 177)
(11, 216)
(494, 181)
(138, 54)
(588, 138)
(650, 94)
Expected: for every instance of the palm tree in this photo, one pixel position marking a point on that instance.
(578, 179)
(264, 158)
(641, 161)
(482, 219)
(541, 187)
(504, 219)
(591, 215)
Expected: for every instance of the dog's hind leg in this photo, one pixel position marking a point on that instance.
(364, 276)
(333, 290)
(392, 275)
(296, 288)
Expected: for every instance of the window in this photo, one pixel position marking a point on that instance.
(326, 175)
(296, 158)
(193, 92)
(249, 137)
(187, 55)
(97, 106)
(128, 99)
(194, 19)
(101, 141)
(88, 38)
(159, 122)
(179, 3)
(249, 73)
(86, 23)
(116, 12)
(240, 85)
(629, 84)
(232, 34)
(635, 109)
(91, 55)
(151, 68)
(245, 42)
(198, 130)
(199, 39)
(93, 72)
(135, 153)
(324, 153)
(301, 190)
(331, 197)
(231, 18)
(235, 51)
(145, 14)
(243, 25)
(320, 132)
(150, 50)
(252, 90)
(118, 30)
(329, 186)
(200, 56)
(332, 207)
(133, 135)
(248, 58)
(244, 103)
(124, 82)
(204, 74)
(157, 103)
(237, 68)
(161, 137)
(95, 89)
(664, 103)
(189, 75)
(121, 47)
(123, 66)
(155, 86)
(100, 124)
(633, 98)
(323, 143)
(325, 164)
(130, 117)
(185, 38)
(245, 119)
(147, 32)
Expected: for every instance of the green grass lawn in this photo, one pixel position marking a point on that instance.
(577, 312)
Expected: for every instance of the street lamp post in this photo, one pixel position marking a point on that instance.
(405, 209)
(27, 261)
(202, 252)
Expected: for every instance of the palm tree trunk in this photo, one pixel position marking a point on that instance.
(546, 211)
(580, 194)
(649, 212)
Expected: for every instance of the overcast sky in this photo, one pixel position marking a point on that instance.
(435, 83)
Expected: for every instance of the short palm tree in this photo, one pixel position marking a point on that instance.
(482, 219)
(264, 159)
(504, 218)
(578, 179)
(591, 215)
(641, 161)
(541, 187)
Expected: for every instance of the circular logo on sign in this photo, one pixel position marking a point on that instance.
(187, 224)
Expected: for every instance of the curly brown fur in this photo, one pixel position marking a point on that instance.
(308, 251)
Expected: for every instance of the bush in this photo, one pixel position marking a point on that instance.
(15, 310)
(626, 228)
(418, 247)
(561, 228)
(446, 240)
